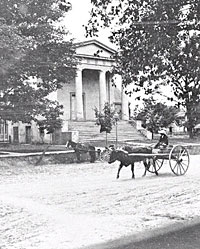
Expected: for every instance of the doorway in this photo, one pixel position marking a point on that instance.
(73, 106)
(28, 134)
(15, 135)
(118, 109)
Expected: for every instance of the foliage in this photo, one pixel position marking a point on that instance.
(105, 119)
(50, 119)
(155, 114)
(35, 57)
(158, 43)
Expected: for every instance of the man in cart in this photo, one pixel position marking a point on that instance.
(163, 141)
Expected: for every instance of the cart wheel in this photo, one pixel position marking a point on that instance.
(105, 156)
(158, 164)
(179, 160)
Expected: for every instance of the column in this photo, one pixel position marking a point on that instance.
(111, 89)
(79, 95)
(125, 111)
(102, 89)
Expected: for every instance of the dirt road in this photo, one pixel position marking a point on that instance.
(77, 205)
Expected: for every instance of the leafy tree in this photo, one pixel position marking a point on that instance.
(35, 57)
(51, 120)
(158, 43)
(105, 119)
(155, 114)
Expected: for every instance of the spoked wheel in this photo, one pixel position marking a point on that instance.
(105, 156)
(179, 160)
(155, 164)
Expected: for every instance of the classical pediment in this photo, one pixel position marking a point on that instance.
(94, 48)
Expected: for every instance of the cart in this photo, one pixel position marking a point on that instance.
(177, 155)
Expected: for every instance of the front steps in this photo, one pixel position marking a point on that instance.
(88, 131)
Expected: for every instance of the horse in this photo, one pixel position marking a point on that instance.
(80, 148)
(139, 149)
(125, 160)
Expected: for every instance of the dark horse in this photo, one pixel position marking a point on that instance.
(127, 159)
(80, 148)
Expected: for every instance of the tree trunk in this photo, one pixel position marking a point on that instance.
(190, 132)
(190, 121)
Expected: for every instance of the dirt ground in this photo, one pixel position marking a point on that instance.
(77, 205)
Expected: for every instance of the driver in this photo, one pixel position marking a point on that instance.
(163, 141)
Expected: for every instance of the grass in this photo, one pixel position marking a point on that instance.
(27, 148)
(172, 140)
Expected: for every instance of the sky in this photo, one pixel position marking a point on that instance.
(79, 16)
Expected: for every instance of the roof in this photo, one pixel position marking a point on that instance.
(96, 42)
(180, 114)
(173, 124)
(197, 126)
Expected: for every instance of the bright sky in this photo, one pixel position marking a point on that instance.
(79, 16)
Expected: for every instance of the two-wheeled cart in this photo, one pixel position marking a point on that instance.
(178, 157)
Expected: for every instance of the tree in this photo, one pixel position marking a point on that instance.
(155, 114)
(105, 119)
(158, 43)
(35, 57)
(50, 120)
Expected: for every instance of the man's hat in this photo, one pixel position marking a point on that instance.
(163, 131)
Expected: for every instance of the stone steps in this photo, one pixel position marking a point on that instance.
(88, 131)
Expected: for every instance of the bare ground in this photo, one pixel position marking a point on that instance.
(77, 205)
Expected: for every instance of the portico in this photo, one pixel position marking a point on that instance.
(102, 89)
(91, 88)
(92, 85)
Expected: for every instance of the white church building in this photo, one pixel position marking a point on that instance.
(91, 88)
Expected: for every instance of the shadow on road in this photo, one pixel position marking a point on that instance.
(183, 235)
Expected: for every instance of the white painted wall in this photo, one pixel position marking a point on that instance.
(63, 97)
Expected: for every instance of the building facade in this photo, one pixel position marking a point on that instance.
(91, 88)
